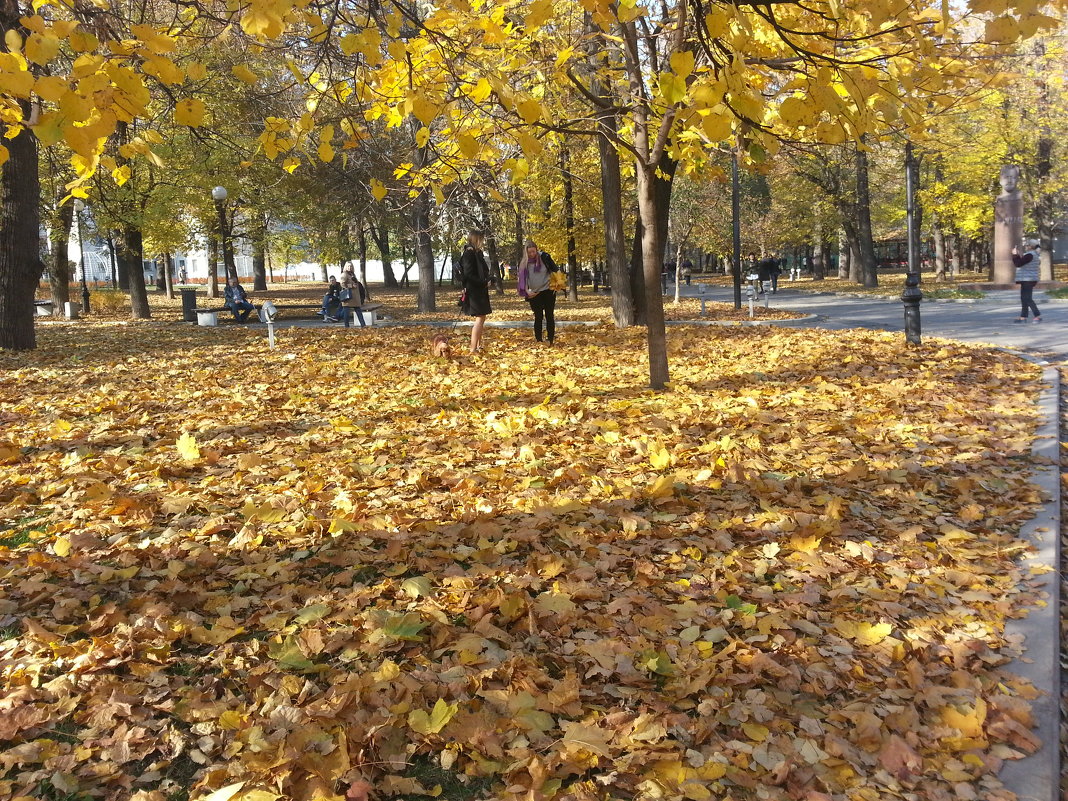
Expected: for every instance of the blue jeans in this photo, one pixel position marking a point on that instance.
(347, 317)
(241, 310)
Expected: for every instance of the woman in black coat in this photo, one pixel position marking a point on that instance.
(476, 278)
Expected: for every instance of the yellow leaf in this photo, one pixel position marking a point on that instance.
(659, 457)
(422, 136)
(189, 112)
(224, 793)
(244, 74)
(672, 88)
(480, 91)
(121, 174)
(230, 719)
(61, 546)
(41, 48)
(682, 63)
(13, 40)
(864, 633)
(188, 448)
(50, 88)
(290, 164)
(755, 731)
(378, 189)
(442, 713)
(424, 110)
(468, 146)
(530, 110)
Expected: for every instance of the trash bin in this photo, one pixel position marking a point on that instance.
(189, 304)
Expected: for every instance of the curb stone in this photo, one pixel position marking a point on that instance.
(1037, 777)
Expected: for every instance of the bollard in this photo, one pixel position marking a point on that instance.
(270, 333)
(749, 293)
(911, 297)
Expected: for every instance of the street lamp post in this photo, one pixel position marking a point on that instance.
(736, 229)
(912, 295)
(218, 194)
(78, 208)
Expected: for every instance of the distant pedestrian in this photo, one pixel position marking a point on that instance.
(534, 270)
(774, 271)
(476, 278)
(1027, 276)
(687, 270)
(764, 274)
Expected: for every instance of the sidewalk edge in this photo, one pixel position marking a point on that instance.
(1037, 777)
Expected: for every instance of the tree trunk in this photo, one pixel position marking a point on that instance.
(612, 203)
(569, 222)
(492, 255)
(168, 276)
(818, 266)
(259, 266)
(651, 259)
(424, 251)
(865, 244)
(662, 184)
(518, 233)
(59, 272)
(120, 265)
(954, 254)
(259, 257)
(939, 249)
(20, 258)
(380, 235)
(361, 253)
(114, 262)
(843, 255)
(130, 253)
(213, 267)
(854, 264)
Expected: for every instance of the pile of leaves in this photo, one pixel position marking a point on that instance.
(343, 568)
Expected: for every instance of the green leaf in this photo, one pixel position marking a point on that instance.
(309, 614)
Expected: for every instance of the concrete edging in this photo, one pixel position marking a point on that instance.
(1037, 777)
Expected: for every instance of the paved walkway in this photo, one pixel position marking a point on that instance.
(989, 320)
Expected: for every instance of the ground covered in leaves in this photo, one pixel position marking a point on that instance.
(400, 305)
(343, 568)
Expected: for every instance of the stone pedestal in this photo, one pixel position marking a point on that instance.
(1008, 225)
(71, 310)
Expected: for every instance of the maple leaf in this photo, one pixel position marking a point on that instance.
(434, 722)
(188, 448)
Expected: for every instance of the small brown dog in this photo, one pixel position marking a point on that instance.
(440, 347)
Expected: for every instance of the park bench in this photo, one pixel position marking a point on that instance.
(42, 308)
(210, 317)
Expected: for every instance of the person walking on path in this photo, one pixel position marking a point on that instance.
(476, 278)
(236, 300)
(774, 271)
(534, 271)
(1027, 276)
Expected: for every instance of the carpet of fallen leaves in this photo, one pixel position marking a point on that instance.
(342, 568)
(400, 305)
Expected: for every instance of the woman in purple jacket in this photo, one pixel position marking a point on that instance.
(534, 271)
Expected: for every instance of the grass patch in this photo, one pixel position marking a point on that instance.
(454, 786)
(1059, 294)
(954, 294)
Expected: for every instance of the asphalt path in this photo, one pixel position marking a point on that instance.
(989, 320)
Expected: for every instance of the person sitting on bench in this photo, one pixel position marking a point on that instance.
(237, 300)
(331, 301)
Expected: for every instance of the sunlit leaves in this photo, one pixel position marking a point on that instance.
(190, 112)
(432, 723)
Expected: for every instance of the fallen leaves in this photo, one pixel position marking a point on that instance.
(364, 573)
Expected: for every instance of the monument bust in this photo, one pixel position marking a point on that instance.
(1008, 224)
(1010, 179)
